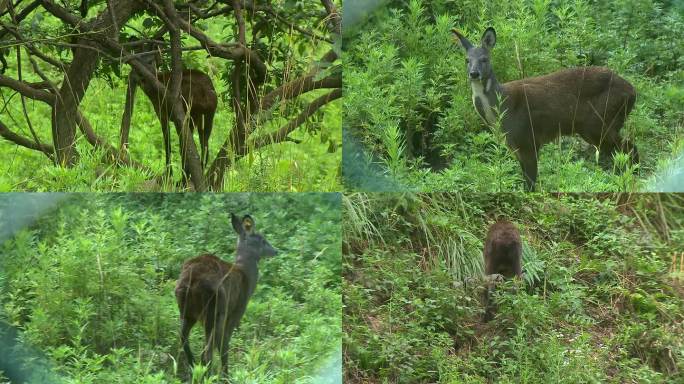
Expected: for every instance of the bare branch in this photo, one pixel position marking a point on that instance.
(237, 6)
(299, 86)
(61, 13)
(281, 19)
(6, 133)
(191, 161)
(20, 78)
(27, 90)
(281, 134)
(23, 14)
(233, 51)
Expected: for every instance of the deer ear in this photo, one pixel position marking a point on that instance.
(462, 41)
(237, 224)
(248, 224)
(489, 38)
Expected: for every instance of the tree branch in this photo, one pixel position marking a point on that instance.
(191, 161)
(281, 134)
(61, 13)
(235, 51)
(299, 86)
(46, 149)
(23, 14)
(334, 16)
(281, 19)
(27, 90)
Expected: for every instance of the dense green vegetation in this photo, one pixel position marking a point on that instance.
(86, 286)
(405, 73)
(603, 303)
(291, 41)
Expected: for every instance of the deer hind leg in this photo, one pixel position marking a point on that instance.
(204, 122)
(224, 349)
(618, 121)
(528, 163)
(207, 126)
(186, 326)
(209, 334)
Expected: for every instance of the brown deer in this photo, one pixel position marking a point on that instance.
(590, 101)
(199, 97)
(216, 292)
(502, 257)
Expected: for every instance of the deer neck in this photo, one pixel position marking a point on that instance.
(485, 98)
(249, 265)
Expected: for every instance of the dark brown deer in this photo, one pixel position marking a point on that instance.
(502, 257)
(216, 292)
(199, 98)
(592, 102)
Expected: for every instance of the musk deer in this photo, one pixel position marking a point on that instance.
(502, 257)
(199, 100)
(216, 292)
(590, 101)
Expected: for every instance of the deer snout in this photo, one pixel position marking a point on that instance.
(474, 75)
(271, 251)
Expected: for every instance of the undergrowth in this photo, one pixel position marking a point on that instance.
(408, 100)
(86, 287)
(603, 299)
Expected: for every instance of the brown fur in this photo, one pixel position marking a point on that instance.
(592, 102)
(215, 293)
(199, 280)
(197, 91)
(502, 255)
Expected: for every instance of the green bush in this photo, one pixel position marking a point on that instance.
(408, 100)
(91, 284)
(597, 303)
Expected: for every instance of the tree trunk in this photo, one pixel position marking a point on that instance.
(77, 79)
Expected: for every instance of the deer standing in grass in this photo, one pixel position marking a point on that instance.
(502, 257)
(216, 292)
(592, 102)
(199, 100)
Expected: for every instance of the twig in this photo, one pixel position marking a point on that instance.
(281, 134)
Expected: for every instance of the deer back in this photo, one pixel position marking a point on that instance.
(576, 100)
(206, 278)
(503, 250)
(197, 90)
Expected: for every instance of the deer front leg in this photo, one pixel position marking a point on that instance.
(209, 337)
(186, 326)
(225, 342)
(528, 163)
